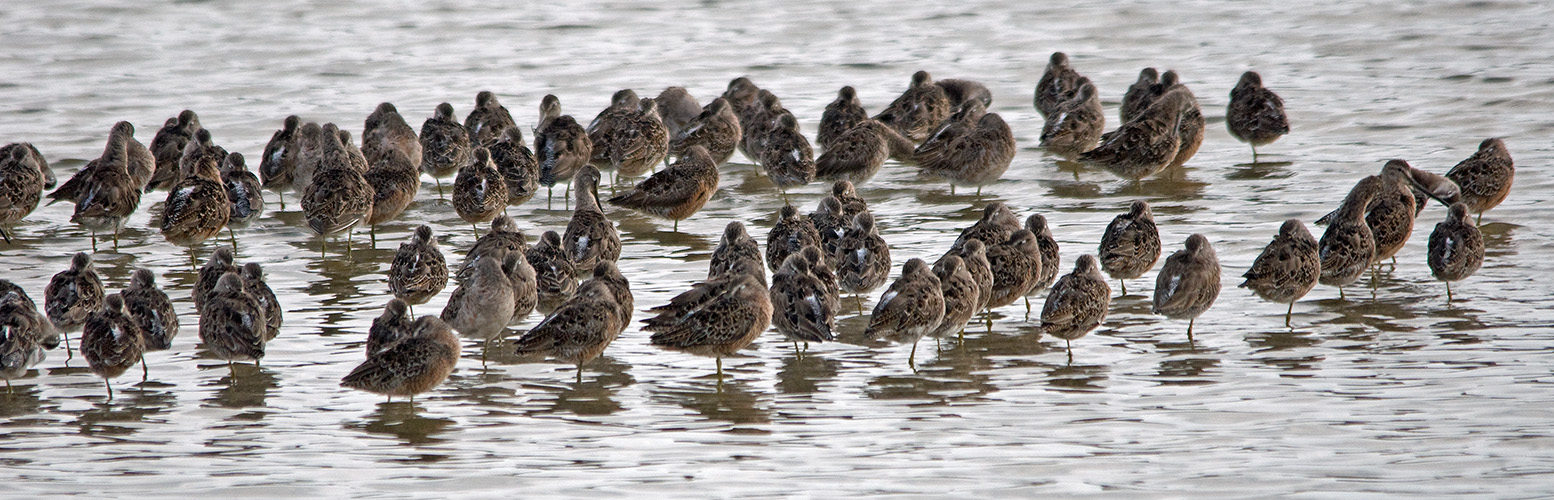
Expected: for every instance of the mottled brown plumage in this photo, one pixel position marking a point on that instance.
(917, 110)
(997, 224)
(1390, 214)
(857, 155)
(413, 365)
(1255, 114)
(386, 133)
(525, 285)
(151, 309)
(168, 147)
(612, 121)
(786, 155)
(1456, 248)
(974, 256)
(197, 207)
(278, 165)
(961, 295)
(111, 341)
(789, 235)
(1077, 303)
(1139, 95)
(590, 235)
(503, 238)
(1037, 225)
(1016, 265)
(1188, 283)
(518, 166)
(105, 195)
(339, 197)
(1191, 128)
(555, 275)
(606, 272)
(676, 192)
(961, 91)
(910, 308)
(641, 144)
(390, 327)
(220, 263)
(737, 252)
(394, 181)
(445, 144)
(488, 121)
(978, 158)
(1075, 125)
(419, 270)
(73, 294)
(844, 113)
(1287, 268)
(1131, 244)
(716, 129)
(863, 258)
(482, 305)
(1146, 144)
(232, 322)
(1347, 248)
(1485, 177)
(959, 124)
(579, 330)
(21, 185)
(831, 225)
(1059, 83)
(479, 191)
(803, 309)
(677, 108)
(561, 146)
(714, 318)
(245, 196)
(22, 333)
(254, 284)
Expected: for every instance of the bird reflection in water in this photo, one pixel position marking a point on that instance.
(402, 420)
(105, 417)
(21, 400)
(1260, 171)
(245, 385)
(731, 400)
(1286, 350)
(1077, 378)
(592, 397)
(803, 374)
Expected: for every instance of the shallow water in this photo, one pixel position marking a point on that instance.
(1388, 394)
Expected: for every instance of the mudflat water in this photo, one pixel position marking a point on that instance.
(1391, 393)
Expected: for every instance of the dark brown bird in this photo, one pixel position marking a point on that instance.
(561, 146)
(758, 122)
(49, 181)
(22, 333)
(737, 252)
(1390, 213)
(392, 326)
(395, 181)
(677, 192)
(555, 275)
(974, 256)
(1188, 283)
(445, 145)
(1076, 125)
(716, 129)
(610, 122)
(254, 284)
(642, 145)
(1037, 225)
(488, 121)
(1077, 303)
(339, 197)
(978, 158)
(525, 285)
(71, 296)
(961, 299)
(309, 144)
(168, 147)
(803, 310)
(419, 271)
(520, 170)
(1287, 268)
(821, 270)
(503, 238)
(961, 91)
(714, 318)
(1347, 248)
(1190, 129)
(1148, 143)
(997, 224)
(831, 225)
(1131, 244)
(909, 309)
(105, 195)
(579, 330)
(787, 156)
(789, 235)
(220, 263)
(741, 94)
(840, 116)
(1057, 85)
(863, 258)
(1139, 95)
(1456, 248)
(1485, 177)
(917, 110)
(21, 185)
(232, 322)
(385, 133)
(245, 196)
(960, 123)
(677, 109)
(857, 155)
(1255, 114)
(590, 235)
(278, 166)
(606, 272)
(479, 192)
(197, 207)
(152, 311)
(111, 341)
(413, 365)
(1016, 265)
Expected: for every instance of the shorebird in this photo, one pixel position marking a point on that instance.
(394, 181)
(253, 283)
(714, 318)
(1287, 268)
(1456, 248)
(1037, 225)
(279, 163)
(863, 258)
(220, 263)
(789, 235)
(105, 195)
(678, 109)
(1016, 265)
(503, 238)
(1149, 142)
(1076, 125)
(973, 254)
(1077, 303)
(909, 309)
(414, 364)
(1059, 83)
(518, 166)
(555, 275)
(960, 91)
(22, 333)
(802, 308)
(153, 313)
(1485, 177)
(111, 341)
(1139, 95)
(561, 146)
(960, 292)
(917, 110)
(419, 270)
(1131, 244)
(997, 224)
(737, 252)
(232, 323)
(385, 133)
(977, 158)
(716, 129)
(445, 145)
(840, 116)
(197, 207)
(244, 194)
(21, 185)
(579, 330)
(1347, 248)
(1255, 114)
(677, 192)
(787, 156)
(168, 147)
(392, 326)
(856, 155)
(590, 235)
(1188, 283)
(488, 121)
(338, 197)
(479, 191)
(482, 306)
(71, 296)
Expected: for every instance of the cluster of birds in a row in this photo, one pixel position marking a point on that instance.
(941, 126)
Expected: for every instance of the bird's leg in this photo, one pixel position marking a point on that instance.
(1448, 292)
(1124, 285)
(145, 373)
(1287, 314)
(579, 372)
(110, 389)
(372, 231)
(912, 358)
(1190, 321)
(94, 241)
(1068, 345)
(439, 188)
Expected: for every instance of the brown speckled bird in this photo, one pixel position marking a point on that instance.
(197, 207)
(412, 365)
(482, 306)
(1131, 244)
(1016, 265)
(590, 235)
(1077, 303)
(385, 132)
(716, 129)
(219, 263)
(1140, 94)
(21, 185)
(518, 166)
(787, 156)
(245, 196)
(1347, 248)
(841, 115)
(714, 318)
(1188, 283)
(503, 238)
(278, 166)
(789, 235)
(479, 191)
(803, 310)
(561, 146)
(253, 283)
(394, 182)
(419, 270)
(1146, 144)
(1287, 268)
(960, 292)
(445, 145)
(555, 275)
(909, 309)
(978, 158)
(1456, 248)
(1255, 114)
(152, 311)
(1076, 125)
(390, 327)
(338, 197)
(677, 108)
(70, 296)
(1037, 225)
(676, 192)
(22, 332)
(106, 194)
(863, 258)
(737, 252)
(488, 121)
(1059, 83)
(111, 341)
(917, 110)
(857, 155)
(168, 145)
(1485, 177)
(579, 330)
(232, 322)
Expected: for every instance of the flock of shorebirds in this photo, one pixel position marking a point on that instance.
(942, 127)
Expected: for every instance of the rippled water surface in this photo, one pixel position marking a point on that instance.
(1389, 394)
